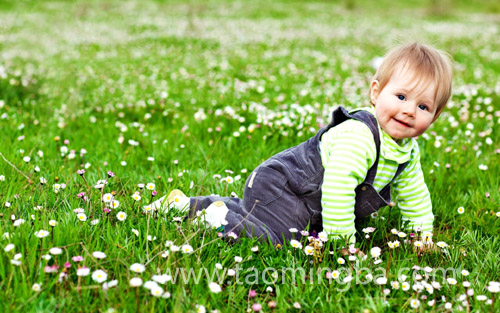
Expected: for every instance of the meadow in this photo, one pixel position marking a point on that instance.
(105, 106)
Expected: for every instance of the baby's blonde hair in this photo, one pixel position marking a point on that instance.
(425, 63)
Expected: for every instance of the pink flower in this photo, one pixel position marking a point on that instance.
(256, 307)
(154, 193)
(80, 172)
(106, 210)
(111, 174)
(51, 269)
(67, 265)
(252, 293)
(77, 258)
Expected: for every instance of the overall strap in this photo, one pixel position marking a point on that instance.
(370, 121)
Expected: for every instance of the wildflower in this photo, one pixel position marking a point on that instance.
(121, 216)
(238, 259)
(441, 244)
(309, 250)
(375, 252)
(77, 258)
(465, 273)
(136, 197)
(43, 180)
(231, 272)
(135, 282)
(447, 306)
(36, 287)
(293, 230)
(110, 284)
(481, 298)
(19, 222)
(9, 247)
(161, 279)
(395, 285)
(51, 269)
(53, 223)
(405, 286)
(394, 231)
(256, 307)
(493, 287)
(111, 174)
(157, 291)
(150, 186)
(186, 249)
(255, 249)
(107, 197)
(200, 308)
(335, 274)
(381, 281)
(414, 303)
(99, 276)
(135, 231)
(114, 204)
(55, 251)
(151, 238)
(271, 304)
(296, 305)
(483, 167)
(401, 234)
(94, 222)
(41, 233)
(451, 281)
(418, 244)
(138, 268)
(323, 236)
(296, 244)
(82, 217)
(340, 261)
(368, 230)
(99, 255)
(26, 159)
(214, 287)
(461, 210)
(80, 172)
(174, 248)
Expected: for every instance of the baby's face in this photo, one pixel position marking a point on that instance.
(404, 108)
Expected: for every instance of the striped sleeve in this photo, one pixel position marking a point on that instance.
(351, 153)
(413, 196)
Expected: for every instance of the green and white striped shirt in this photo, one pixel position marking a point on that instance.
(347, 152)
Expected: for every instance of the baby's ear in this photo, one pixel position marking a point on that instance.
(374, 91)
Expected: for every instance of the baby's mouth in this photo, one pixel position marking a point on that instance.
(402, 123)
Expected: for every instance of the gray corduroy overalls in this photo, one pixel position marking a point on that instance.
(288, 189)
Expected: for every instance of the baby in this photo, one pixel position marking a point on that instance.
(349, 168)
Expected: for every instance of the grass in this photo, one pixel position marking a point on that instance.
(204, 87)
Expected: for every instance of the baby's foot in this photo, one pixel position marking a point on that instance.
(176, 199)
(215, 214)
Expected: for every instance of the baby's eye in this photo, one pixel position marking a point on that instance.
(422, 107)
(401, 97)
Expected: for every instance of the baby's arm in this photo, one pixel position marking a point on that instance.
(351, 152)
(413, 197)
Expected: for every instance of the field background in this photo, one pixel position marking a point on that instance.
(175, 92)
